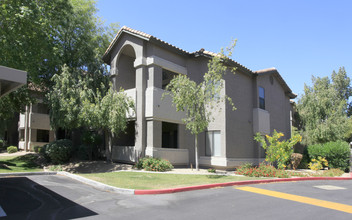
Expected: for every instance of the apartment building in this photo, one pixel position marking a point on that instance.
(143, 65)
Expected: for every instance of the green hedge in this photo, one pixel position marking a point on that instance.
(336, 153)
(59, 151)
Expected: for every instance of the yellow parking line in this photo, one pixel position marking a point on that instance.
(302, 199)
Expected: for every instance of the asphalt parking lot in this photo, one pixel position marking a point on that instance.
(59, 197)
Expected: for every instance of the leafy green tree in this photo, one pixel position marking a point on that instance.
(75, 103)
(323, 109)
(198, 101)
(41, 37)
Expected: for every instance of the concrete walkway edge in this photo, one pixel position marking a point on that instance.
(96, 184)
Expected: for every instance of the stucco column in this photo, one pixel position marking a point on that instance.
(154, 134)
(141, 82)
(155, 75)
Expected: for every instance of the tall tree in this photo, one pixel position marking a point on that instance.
(323, 108)
(42, 36)
(75, 103)
(198, 101)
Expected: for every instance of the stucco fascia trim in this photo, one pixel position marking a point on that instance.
(166, 65)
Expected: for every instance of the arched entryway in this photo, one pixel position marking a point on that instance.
(125, 73)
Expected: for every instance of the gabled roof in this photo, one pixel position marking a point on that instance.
(143, 36)
(282, 82)
(164, 44)
(201, 52)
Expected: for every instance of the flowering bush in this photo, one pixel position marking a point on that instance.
(278, 151)
(318, 164)
(154, 164)
(263, 170)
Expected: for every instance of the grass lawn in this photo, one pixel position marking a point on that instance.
(138, 180)
(25, 163)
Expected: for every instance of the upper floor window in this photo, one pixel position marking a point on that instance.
(40, 108)
(167, 77)
(261, 98)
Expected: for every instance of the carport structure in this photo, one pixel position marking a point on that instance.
(11, 79)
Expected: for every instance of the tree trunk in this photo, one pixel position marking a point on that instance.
(108, 147)
(196, 150)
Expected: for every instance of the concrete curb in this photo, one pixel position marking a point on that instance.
(238, 183)
(27, 174)
(96, 184)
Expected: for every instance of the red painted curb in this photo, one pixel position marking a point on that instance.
(238, 183)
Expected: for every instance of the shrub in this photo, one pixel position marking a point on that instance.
(263, 170)
(277, 151)
(154, 164)
(305, 160)
(1, 143)
(318, 164)
(59, 151)
(139, 164)
(210, 170)
(336, 153)
(12, 149)
(296, 159)
(38, 149)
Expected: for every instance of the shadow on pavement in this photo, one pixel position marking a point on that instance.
(21, 198)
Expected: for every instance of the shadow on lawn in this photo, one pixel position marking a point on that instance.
(215, 176)
(30, 161)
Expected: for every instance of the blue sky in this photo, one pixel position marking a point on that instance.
(299, 38)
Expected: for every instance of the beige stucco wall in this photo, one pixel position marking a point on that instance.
(237, 127)
(239, 123)
(277, 104)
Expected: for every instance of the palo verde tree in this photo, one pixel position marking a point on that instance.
(199, 101)
(323, 109)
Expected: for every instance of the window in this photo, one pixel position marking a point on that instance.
(261, 98)
(167, 77)
(213, 143)
(42, 135)
(169, 135)
(22, 135)
(40, 108)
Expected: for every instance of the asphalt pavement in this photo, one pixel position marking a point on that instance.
(60, 197)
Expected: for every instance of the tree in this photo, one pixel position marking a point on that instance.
(41, 37)
(198, 101)
(323, 109)
(75, 103)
